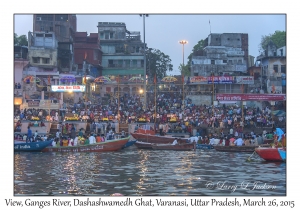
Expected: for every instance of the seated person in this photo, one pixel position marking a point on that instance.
(35, 124)
(174, 142)
(42, 124)
(239, 142)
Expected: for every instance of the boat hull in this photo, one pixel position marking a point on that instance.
(235, 148)
(176, 147)
(31, 147)
(204, 146)
(154, 138)
(129, 143)
(107, 146)
(143, 145)
(271, 154)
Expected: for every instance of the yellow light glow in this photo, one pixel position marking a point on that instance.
(17, 100)
(141, 91)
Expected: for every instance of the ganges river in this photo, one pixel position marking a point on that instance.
(134, 172)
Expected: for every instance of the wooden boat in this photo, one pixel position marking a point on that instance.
(271, 154)
(235, 148)
(129, 143)
(154, 138)
(143, 145)
(204, 146)
(22, 146)
(110, 145)
(177, 147)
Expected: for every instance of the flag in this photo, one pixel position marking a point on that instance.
(84, 80)
(49, 80)
(154, 79)
(85, 55)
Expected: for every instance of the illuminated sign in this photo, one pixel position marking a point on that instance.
(67, 88)
(250, 97)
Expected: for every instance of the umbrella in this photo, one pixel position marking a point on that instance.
(136, 79)
(31, 78)
(102, 79)
(169, 79)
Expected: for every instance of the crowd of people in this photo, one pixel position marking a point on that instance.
(167, 111)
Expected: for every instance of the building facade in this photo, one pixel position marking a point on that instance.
(273, 69)
(222, 66)
(88, 54)
(122, 59)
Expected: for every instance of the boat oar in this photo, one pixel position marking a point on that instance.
(249, 158)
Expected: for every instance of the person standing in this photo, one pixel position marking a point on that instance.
(239, 142)
(29, 134)
(92, 139)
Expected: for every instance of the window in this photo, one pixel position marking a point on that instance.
(196, 74)
(281, 52)
(42, 28)
(230, 62)
(106, 35)
(275, 67)
(240, 62)
(48, 35)
(39, 35)
(224, 61)
(212, 61)
(101, 35)
(111, 35)
(35, 59)
(46, 60)
(51, 28)
(283, 69)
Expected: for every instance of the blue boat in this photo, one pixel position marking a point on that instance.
(129, 143)
(20, 146)
(282, 153)
(204, 146)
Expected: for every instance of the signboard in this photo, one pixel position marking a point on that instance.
(33, 103)
(198, 79)
(251, 97)
(244, 80)
(220, 80)
(68, 88)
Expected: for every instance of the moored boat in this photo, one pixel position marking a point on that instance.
(177, 147)
(107, 146)
(143, 145)
(204, 146)
(235, 148)
(146, 133)
(22, 146)
(271, 154)
(129, 143)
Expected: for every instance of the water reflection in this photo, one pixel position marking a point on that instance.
(144, 172)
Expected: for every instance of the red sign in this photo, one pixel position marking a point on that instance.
(32, 103)
(251, 97)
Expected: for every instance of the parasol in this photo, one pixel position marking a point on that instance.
(31, 78)
(136, 79)
(102, 79)
(169, 79)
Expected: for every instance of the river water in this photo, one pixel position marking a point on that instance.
(134, 172)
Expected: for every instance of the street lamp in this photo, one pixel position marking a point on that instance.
(145, 93)
(183, 42)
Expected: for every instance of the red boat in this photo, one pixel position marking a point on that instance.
(107, 146)
(149, 136)
(271, 154)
